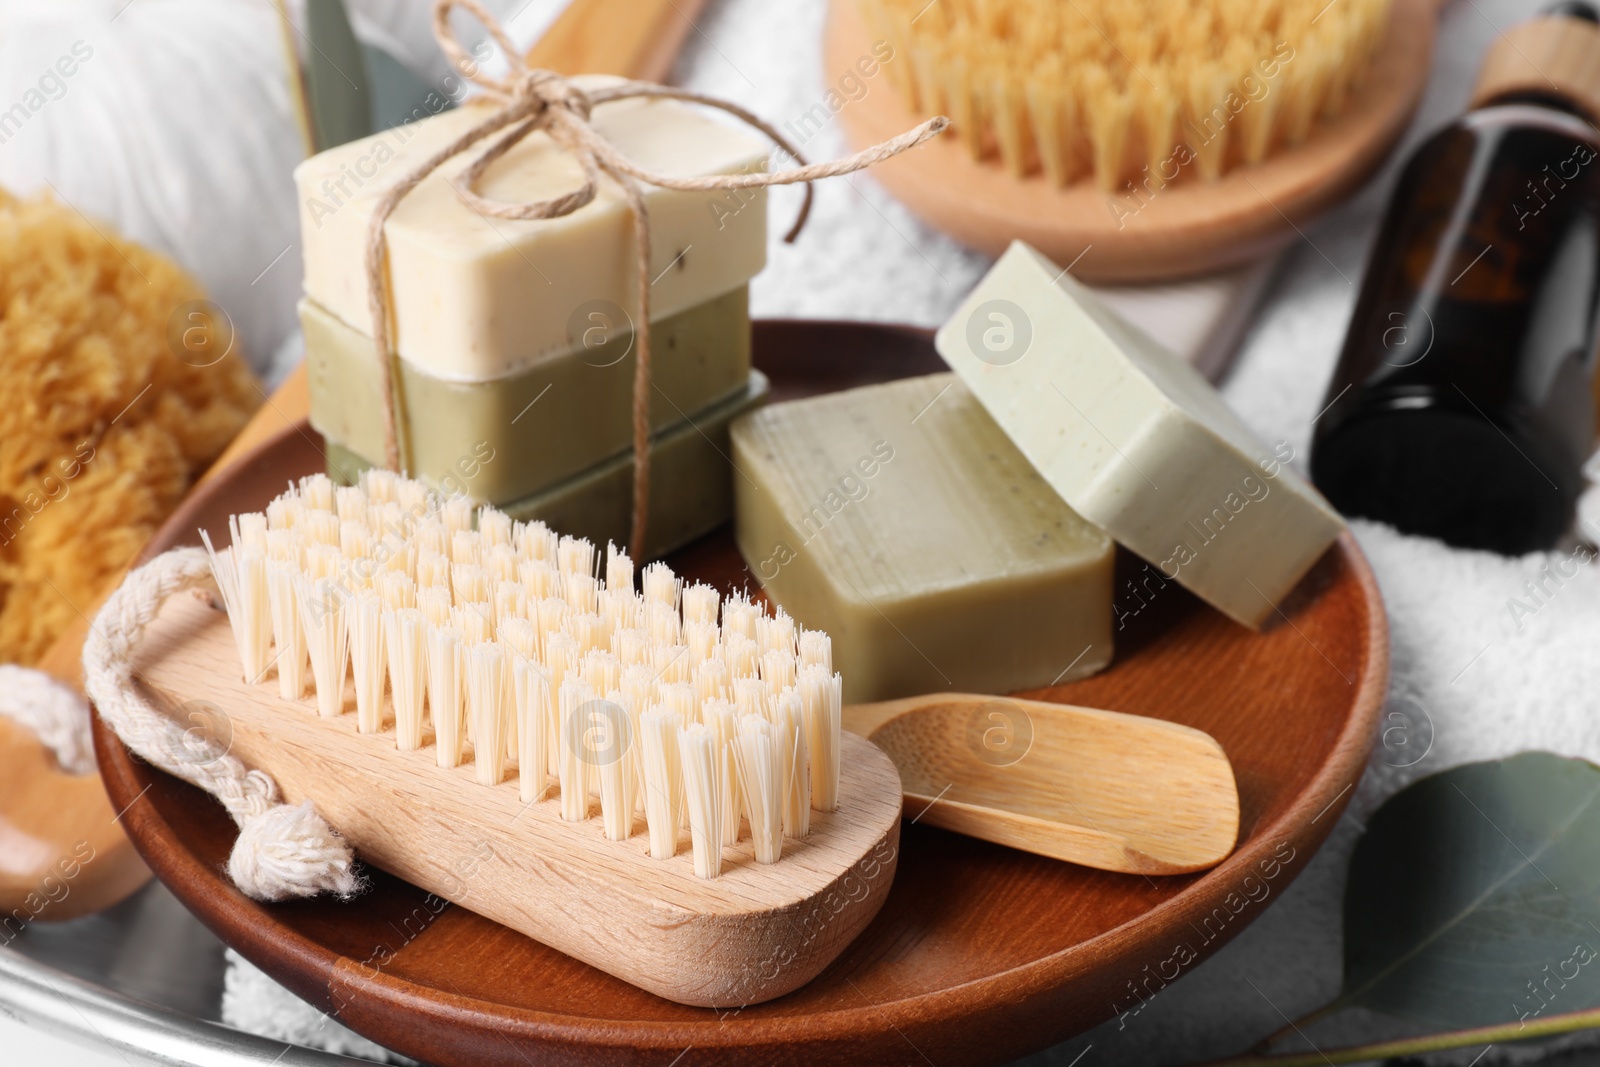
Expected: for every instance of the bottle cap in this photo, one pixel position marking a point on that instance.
(1554, 55)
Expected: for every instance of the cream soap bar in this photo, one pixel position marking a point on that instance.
(900, 519)
(691, 482)
(558, 417)
(476, 298)
(1134, 439)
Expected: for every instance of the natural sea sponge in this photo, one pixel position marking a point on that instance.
(103, 427)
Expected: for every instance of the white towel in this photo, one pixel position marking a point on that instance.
(1463, 671)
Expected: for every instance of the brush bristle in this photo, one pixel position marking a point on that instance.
(490, 703)
(405, 632)
(572, 772)
(445, 703)
(498, 643)
(821, 693)
(788, 723)
(761, 779)
(367, 660)
(241, 577)
(287, 634)
(703, 785)
(663, 779)
(613, 766)
(1132, 91)
(533, 733)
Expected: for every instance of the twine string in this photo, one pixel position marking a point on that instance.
(531, 100)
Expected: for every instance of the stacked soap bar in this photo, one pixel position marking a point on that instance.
(691, 482)
(901, 518)
(703, 358)
(515, 339)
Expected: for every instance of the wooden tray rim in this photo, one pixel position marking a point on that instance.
(208, 893)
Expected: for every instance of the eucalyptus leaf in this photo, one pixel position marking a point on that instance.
(338, 95)
(1474, 896)
(398, 95)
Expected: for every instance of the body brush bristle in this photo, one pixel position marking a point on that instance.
(1140, 91)
(703, 715)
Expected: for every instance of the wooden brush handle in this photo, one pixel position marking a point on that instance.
(755, 932)
(632, 38)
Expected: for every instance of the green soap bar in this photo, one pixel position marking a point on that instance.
(691, 491)
(546, 422)
(901, 519)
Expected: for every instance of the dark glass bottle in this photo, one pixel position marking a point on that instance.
(1462, 405)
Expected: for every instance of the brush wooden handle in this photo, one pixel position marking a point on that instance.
(633, 38)
(756, 932)
(65, 853)
(1101, 788)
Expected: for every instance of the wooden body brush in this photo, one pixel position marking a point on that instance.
(1139, 142)
(655, 783)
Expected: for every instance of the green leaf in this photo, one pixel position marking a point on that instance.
(1474, 896)
(336, 76)
(398, 95)
(354, 89)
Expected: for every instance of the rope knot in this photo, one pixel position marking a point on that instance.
(551, 91)
(289, 851)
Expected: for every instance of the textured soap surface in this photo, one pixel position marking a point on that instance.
(556, 418)
(691, 481)
(477, 297)
(1135, 440)
(900, 519)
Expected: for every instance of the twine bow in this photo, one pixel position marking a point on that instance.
(531, 100)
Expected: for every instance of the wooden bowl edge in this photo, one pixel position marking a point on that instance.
(998, 995)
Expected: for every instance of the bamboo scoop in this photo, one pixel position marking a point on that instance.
(1107, 790)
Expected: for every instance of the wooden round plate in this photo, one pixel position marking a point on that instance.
(1190, 227)
(980, 953)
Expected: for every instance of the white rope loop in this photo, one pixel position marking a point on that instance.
(53, 711)
(282, 851)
